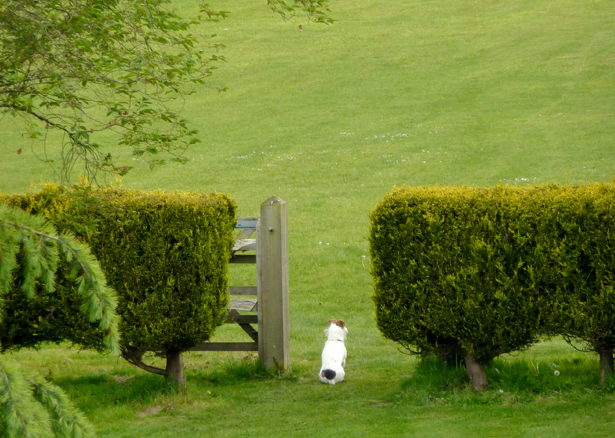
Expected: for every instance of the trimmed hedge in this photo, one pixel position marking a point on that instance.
(583, 305)
(453, 272)
(166, 255)
(487, 271)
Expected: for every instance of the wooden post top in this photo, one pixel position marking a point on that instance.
(274, 200)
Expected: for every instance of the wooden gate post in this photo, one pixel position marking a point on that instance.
(272, 278)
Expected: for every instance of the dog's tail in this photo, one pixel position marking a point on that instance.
(328, 374)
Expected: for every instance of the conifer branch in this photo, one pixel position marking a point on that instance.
(66, 420)
(30, 406)
(38, 241)
(20, 415)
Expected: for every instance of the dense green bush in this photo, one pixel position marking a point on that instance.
(55, 317)
(452, 272)
(166, 255)
(481, 272)
(582, 306)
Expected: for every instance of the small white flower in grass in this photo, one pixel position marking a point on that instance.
(556, 372)
(501, 391)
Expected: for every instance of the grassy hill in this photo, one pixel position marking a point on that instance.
(330, 118)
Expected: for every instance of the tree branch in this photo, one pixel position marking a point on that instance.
(134, 357)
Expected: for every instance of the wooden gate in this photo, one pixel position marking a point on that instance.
(269, 310)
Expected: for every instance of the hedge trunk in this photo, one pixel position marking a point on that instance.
(476, 373)
(606, 364)
(175, 370)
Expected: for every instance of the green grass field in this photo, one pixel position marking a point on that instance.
(330, 118)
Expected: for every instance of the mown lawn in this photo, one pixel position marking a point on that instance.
(330, 118)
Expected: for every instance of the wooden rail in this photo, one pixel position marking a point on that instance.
(272, 339)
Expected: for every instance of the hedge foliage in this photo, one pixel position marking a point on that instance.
(487, 271)
(166, 255)
(582, 225)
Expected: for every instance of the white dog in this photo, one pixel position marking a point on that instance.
(334, 353)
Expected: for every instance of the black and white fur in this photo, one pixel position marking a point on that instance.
(334, 353)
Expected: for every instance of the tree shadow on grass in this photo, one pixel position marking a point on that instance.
(238, 372)
(100, 391)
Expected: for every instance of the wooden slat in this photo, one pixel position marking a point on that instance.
(246, 232)
(243, 259)
(244, 304)
(250, 331)
(246, 222)
(241, 319)
(226, 346)
(244, 245)
(243, 290)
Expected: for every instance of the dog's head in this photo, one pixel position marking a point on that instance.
(337, 330)
(339, 323)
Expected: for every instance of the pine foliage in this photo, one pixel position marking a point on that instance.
(20, 414)
(33, 242)
(33, 407)
(30, 406)
(66, 420)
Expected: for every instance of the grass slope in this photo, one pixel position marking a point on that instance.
(330, 118)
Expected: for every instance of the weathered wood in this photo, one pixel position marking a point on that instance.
(226, 346)
(248, 226)
(236, 258)
(250, 331)
(271, 246)
(246, 319)
(242, 290)
(273, 286)
(244, 304)
(236, 317)
(247, 222)
(244, 245)
(246, 232)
